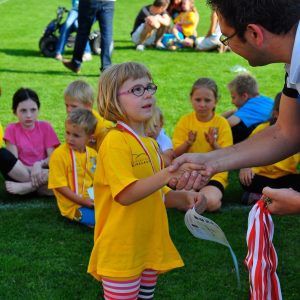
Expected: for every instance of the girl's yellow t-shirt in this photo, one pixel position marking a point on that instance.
(190, 122)
(279, 169)
(128, 239)
(1, 135)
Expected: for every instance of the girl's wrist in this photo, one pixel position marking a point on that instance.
(189, 143)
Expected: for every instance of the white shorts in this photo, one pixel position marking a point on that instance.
(137, 34)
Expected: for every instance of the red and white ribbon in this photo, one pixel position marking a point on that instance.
(129, 130)
(261, 259)
(74, 173)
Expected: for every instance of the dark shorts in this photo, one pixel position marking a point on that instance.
(7, 162)
(240, 132)
(217, 184)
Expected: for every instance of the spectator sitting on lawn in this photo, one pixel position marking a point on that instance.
(252, 108)
(80, 94)
(212, 39)
(203, 131)
(150, 25)
(154, 129)
(72, 166)
(29, 144)
(185, 26)
(174, 8)
(282, 174)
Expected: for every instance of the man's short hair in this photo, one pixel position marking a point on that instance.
(161, 3)
(277, 16)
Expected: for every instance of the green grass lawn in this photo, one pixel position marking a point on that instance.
(42, 255)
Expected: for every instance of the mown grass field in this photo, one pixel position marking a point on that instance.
(42, 255)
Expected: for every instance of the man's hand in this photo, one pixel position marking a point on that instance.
(191, 180)
(283, 201)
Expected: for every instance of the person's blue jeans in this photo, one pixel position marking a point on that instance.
(103, 11)
(65, 32)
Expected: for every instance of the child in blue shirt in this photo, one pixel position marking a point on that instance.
(252, 108)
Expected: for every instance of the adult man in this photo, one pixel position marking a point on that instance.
(88, 11)
(263, 32)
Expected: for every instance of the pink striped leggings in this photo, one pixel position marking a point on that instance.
(141, 287)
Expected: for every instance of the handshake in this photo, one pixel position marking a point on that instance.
(190, 171)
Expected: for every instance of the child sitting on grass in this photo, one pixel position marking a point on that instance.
(72, 166)
(29, 144)
(185, 25)
(202, 131)
(251, 110)
(154, 129)
(80, 94)
(282, 174)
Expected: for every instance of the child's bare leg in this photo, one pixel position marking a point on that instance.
(19, 188)
(213, 197)
(146, 33)
(19, 172)
(159, 35)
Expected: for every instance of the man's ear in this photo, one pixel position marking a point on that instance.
(255, 33)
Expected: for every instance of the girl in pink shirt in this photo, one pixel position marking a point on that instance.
(29, 143)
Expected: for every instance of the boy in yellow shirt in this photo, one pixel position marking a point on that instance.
(80, 94)
(72, 166)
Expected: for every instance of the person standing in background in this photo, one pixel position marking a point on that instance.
(88, 10)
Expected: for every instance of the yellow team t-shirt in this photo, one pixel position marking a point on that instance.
(1, 135)
(190, 122)
(279, 169)
(191, 17)
(128, 239)
(100, 131)
(61, 175)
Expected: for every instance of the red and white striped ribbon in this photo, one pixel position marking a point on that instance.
(261, 259)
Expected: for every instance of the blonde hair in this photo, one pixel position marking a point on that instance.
(109, 84)
(156, 119)
(80, 91)
(244, 83)
(83, 118)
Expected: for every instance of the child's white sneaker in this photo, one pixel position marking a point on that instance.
(87, 57)
(140, 47)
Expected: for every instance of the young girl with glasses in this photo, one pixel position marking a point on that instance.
(202, 131)
(132, 244)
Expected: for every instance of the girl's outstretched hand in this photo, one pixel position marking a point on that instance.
(191, 180)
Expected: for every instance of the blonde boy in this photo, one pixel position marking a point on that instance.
(80, 94)
(72, 166)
